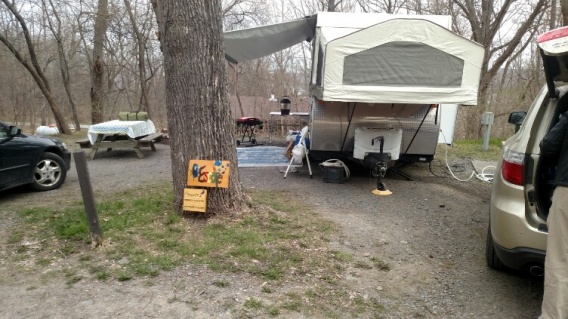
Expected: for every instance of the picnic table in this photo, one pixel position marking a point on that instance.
(121, 134)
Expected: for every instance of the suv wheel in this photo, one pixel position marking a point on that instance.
(491, 257)
(49, 173)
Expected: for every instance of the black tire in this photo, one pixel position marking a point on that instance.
(491, 257)
(50, 172)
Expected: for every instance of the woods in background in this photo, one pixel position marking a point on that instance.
(84, 61)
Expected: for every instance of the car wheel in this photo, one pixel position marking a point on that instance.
(49, 173)
(491, 257)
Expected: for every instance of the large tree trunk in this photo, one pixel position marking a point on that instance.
(199, 118)
(97, 72)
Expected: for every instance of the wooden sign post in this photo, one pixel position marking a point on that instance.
(195, 200)
(208, 173)
(204, 173)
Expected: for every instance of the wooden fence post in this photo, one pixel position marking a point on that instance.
(88, 198)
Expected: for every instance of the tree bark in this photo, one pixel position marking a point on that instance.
(553, 13)
(330, 5)
(199, 117)
(97, 74)
(564, 12)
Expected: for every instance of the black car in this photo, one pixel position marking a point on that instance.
(39, 161)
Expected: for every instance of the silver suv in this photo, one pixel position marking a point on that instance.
(522, 189)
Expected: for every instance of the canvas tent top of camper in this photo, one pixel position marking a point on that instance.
(374, 58)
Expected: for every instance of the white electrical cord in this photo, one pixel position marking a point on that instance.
(485, 177)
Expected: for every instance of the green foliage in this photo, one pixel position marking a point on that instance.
(273, 311)
(470, 149)
(362, 265)
(252, 303)
(144, 236)
(380, 264)
(277, 240)
(266, 289)
(221, 283)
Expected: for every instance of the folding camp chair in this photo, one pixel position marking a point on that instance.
(304, 133)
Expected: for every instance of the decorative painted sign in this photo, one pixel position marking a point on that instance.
(205, 173)
(195, 200)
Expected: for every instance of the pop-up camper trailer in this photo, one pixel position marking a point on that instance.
(379, 81)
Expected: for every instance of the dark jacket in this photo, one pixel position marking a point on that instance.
(555, 144)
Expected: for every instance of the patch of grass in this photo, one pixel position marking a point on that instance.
(15, 237)
(42, 262)
(145, 269)
(311, 294)
(362, 305)
(221, 283)
(273, 273)
(68, 249)
(124, 276)
(252, 303)
(273, 311)
(380, 264)
(72, 280)
(142, 228)
(362, 265)
(71, 277)
(341, 256)
(266, 289)
(85, 258)
(277, 240)
(293, 305)
(471, 149)
(102, 275)
(174, 299)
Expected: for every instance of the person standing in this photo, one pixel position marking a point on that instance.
(555, 299)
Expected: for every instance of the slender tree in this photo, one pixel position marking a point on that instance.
(199, 118)
(564, 12)
(141, 46)
(97, 65)
(50, 8)
(485, 21)
(33, 67)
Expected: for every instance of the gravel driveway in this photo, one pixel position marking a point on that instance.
(431, 231)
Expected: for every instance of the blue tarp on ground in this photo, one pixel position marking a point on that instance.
(262, 156)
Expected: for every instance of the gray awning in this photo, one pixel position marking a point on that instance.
(254, 43)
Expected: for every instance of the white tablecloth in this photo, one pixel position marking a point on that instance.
(132, 129)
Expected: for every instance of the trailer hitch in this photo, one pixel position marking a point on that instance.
(380, 167)
(379, 170)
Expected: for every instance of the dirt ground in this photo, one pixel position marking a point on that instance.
(431, 231)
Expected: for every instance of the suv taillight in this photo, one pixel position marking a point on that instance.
(512, 167)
